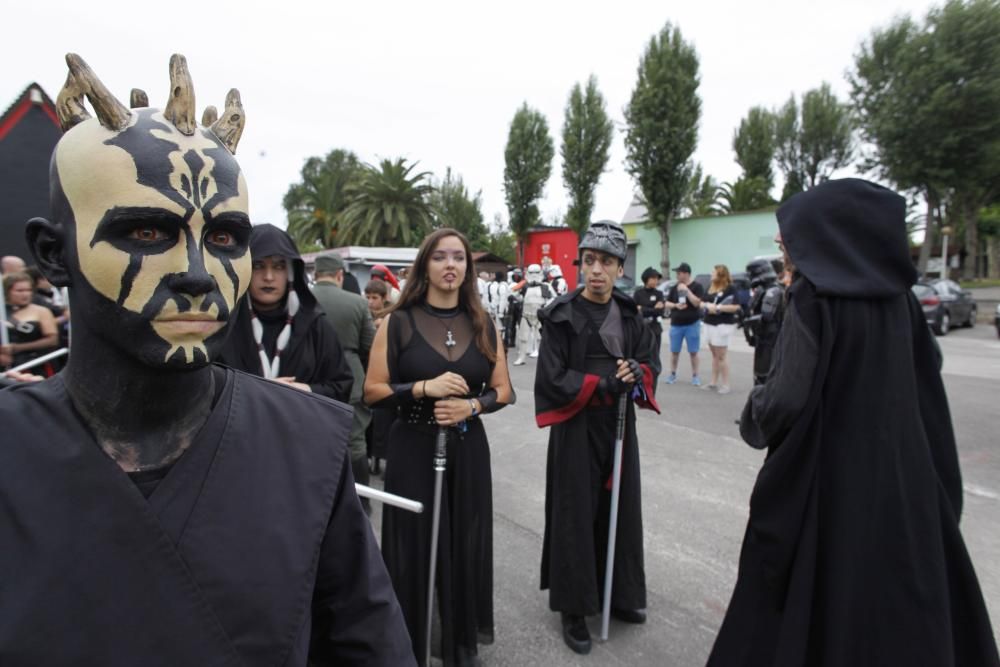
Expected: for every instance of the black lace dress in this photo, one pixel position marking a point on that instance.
(418, 349)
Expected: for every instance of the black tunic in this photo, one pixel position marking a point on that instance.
(577, 494)
(253, 550)
(852, 555)
(465, 562)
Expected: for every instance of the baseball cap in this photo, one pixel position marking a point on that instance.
(683, 267)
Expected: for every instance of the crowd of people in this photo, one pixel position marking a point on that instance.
(159, 508)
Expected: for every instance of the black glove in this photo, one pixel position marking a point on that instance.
(636, 369)
(611, 385)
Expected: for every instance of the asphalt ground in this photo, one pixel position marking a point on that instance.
(697, 475)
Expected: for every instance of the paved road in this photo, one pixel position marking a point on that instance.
(697, 477)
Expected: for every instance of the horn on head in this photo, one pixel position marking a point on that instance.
(81, 81)
(138, 99)
(209, 116)
(180, 109)
(229, 128)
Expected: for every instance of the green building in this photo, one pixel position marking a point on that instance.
(732, 239)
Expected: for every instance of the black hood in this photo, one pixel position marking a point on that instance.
(267, 240)
(848, 238)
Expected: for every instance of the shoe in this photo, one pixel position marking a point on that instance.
(519, 361)
(696, 381)
(709, 387)
(672, 378)
(724, 389)
(636, 616)
(533, 355)
(575, 633)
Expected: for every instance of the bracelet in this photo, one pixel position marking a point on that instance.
(472, 404)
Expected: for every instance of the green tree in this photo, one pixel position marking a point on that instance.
(454, 207)
(528, 165)
(662, 129)
(702, 197)
(812, 141)
(315, 206)
(389, 206)
(745, 194)
(926, 97)
(586, 142)
(754, 145)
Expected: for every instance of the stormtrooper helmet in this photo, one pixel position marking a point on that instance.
(555, 271)
(534, 274)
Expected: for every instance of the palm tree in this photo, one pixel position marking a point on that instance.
(316, 205)
(389, 206)
(746, 194)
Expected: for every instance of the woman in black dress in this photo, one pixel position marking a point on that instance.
(437, 361)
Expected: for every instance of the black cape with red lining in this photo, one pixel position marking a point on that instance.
(253, 550)
(852, 555)
(579, 463)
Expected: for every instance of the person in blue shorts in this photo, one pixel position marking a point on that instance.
(684, 303)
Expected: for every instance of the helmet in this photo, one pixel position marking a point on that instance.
(517, 275)
(555, 271)
(760, 271)
(606, 236)
(534, 273)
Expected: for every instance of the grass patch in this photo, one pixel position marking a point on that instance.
(972, 284)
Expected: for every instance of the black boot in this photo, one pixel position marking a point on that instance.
(575, 633)
(636, 616)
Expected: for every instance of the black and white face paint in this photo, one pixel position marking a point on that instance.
(161, 229)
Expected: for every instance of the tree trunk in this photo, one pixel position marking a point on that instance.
(930, 229)
(971, 269)
(993, 250)
(665, 245)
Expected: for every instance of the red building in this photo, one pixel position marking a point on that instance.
(556, 243)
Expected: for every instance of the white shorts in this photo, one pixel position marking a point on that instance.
(718, 335)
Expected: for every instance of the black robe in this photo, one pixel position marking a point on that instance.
(852, 555)
(579, 464)
(313, 354)
(253, 550)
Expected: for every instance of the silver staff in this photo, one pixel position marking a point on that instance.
(414, 506)
(40, 360)
(616, 487)
(440, 463)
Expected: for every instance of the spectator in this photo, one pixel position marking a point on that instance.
(31, 328)
(348, 313)
(650, 301)
(382, 272)
(684, 303)
(377, 294)
(721, 307)
(11, 264)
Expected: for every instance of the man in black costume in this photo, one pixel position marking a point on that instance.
(651, 304)
(766, 309)
(156, 509)
(852, 555)
(595, 347)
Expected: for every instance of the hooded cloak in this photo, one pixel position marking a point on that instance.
(852, 554)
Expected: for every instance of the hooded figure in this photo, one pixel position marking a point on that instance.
(852, 555)
(279, 332)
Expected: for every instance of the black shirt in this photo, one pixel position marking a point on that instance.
(689, 315)
(717, 298)
(599, 359)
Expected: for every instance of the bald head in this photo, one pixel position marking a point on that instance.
(11, 264)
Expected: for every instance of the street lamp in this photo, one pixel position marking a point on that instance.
(945, 233)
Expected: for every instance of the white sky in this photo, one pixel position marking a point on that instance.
(438, 81)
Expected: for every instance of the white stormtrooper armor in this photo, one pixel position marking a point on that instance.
(497, 291)
(537, 295)
(559, 284)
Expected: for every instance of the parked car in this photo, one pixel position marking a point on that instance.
(945, 304)
(996, 320)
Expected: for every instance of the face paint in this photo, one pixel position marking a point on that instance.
(161, 227)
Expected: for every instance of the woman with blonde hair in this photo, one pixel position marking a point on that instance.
(720, 320)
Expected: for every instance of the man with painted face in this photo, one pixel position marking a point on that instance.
(280, 333)
(595, 347)
(853, 554)
(156, 509)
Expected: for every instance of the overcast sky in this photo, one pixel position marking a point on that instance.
(438, 82)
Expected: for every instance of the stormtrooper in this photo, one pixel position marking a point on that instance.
(766, 310)
(497, 291)
(514, 307)
(557, 281)
(536, 295)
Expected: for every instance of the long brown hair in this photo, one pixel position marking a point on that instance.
(721, 280)
(415, 290)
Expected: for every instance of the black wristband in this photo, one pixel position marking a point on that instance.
(400, 393)
(489, 401)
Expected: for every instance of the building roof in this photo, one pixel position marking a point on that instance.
(369, 255)
(31, 96)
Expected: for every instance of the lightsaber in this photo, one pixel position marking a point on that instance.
(616, 487)
(414, 506)
(440, 464)
(40, 360)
